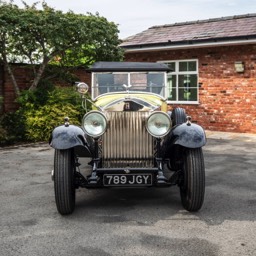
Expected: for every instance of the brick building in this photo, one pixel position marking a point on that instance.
(214, 63)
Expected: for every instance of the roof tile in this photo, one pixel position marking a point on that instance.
(217, 28)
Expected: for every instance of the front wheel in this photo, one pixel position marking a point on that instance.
(64, 187)
(192, 187)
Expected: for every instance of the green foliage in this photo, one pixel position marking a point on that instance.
(12, 128)
(48, 36)
(40, 120)
(43, 36)
(101, 44)
(37, 97)
(38, 115)
(1, 103)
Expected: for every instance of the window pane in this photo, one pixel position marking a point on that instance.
(138, 81)
(104, 81)
(171, 65)
(109, 82)
(155, 82)
(187, 87)
(187, 95)
(120, 79)
(187, 66)
(188, 81)
(171, 87)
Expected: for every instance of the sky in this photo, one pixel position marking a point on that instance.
(135, 16)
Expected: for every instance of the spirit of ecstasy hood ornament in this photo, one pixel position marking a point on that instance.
(127, 87)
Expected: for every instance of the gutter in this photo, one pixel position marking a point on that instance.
(186, 45)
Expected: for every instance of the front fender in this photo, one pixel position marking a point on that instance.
(65, 137)
(187, 135)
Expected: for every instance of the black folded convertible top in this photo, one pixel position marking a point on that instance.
(108, 66)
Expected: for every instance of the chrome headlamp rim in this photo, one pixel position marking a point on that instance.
(166, 121)
(92, 119)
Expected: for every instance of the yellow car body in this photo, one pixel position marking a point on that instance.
(105, 100)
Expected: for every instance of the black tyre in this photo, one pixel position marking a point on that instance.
(64, 186)
(192, 186)
(178, 116)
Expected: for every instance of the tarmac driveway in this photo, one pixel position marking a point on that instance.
(130, 222)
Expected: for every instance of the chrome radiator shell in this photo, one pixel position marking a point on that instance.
(126, 142)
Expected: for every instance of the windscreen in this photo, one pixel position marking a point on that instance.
(152, 82)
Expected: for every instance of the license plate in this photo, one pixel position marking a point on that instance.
(127, 179)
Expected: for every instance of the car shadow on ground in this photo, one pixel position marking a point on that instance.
(230, 189)
(143, 206)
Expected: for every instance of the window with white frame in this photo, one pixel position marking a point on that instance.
(182, 83)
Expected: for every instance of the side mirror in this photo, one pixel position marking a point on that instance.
(82, 88)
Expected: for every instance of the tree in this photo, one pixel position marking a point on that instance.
(6, 29)
(43, 36)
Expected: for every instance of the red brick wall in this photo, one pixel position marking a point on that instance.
(227, 98)
(23, 75)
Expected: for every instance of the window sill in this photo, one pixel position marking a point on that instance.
(183, 102)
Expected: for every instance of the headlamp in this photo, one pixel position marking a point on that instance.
(158, 124)
(94, 123)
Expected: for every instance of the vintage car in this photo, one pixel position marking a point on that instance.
(131, 138)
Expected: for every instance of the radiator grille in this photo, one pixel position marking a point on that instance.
(126, 141)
